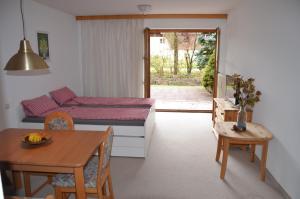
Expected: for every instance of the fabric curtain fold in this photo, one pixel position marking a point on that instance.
(112, 58)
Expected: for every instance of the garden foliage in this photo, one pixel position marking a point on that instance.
(208, 44)
(208, 73)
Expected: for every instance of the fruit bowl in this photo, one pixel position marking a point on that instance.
(36, 139)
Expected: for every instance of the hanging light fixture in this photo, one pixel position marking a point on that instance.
(25, 59)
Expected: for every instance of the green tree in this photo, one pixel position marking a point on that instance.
(208, 45)
(172, 39)
(188, 41)
(158, 63)
(208, 73)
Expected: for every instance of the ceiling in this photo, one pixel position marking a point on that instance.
(114, 7)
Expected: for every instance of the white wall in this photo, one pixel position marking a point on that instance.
(194, 24)
(264, 43)
(63, 45)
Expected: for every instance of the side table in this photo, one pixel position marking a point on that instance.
(255, 134)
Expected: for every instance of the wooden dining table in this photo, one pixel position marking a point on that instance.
(68, 152)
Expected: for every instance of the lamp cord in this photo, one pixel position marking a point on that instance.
(21, 8)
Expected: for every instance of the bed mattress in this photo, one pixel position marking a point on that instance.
(99, 116)
(111, 102)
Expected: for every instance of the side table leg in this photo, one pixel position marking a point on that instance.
(252, 152)
(219, 148)
(263, 161)
(225, 157)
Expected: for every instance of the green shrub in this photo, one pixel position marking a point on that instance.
(158, 63)
(208, 73)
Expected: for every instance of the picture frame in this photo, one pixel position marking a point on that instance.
(43, 45)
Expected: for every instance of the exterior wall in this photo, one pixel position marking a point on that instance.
(263, 43)
(64, 62)
(163, 48)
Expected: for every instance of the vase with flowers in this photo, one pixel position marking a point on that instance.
(247, 96)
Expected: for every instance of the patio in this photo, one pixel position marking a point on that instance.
(181, 98)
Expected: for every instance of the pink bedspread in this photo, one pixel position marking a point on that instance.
(110, 101)
(104, 113)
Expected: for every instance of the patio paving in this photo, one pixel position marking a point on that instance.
(181, 97)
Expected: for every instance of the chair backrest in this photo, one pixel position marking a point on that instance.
(104, 153)
(108, 147)
(58, 121)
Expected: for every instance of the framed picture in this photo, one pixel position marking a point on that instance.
(43, 45)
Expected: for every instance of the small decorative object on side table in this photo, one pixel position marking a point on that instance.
(247, 96)
(238, 129)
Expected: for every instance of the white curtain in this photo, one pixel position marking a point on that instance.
(112, 58)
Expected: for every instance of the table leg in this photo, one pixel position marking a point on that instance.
(225, 157)
(252, 152)
(79, 183)
(263, 161)
(219, 146)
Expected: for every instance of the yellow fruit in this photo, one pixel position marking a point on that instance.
(34, 137)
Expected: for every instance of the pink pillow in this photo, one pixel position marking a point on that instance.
(39, 105)
(62, 95)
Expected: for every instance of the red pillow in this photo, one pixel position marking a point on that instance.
(62, 95)
(39, 105)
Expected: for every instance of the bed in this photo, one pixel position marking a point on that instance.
(132, 127)
(66, 97)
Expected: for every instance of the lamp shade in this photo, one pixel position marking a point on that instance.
(25, 59)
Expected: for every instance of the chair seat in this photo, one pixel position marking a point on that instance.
(90, 176)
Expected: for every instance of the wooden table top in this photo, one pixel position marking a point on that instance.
(68, 148)
(254, 132)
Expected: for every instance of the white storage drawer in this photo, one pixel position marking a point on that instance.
(128, 142)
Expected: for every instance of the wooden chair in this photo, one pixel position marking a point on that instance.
(96, 174)
(53, 121)
(58, 121)
(7, 184)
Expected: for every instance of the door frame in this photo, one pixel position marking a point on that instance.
(147, 75)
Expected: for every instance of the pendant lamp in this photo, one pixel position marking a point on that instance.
(25, 59)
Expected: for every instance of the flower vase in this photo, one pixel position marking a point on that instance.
(242, 118)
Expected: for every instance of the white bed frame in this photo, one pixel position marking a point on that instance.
(129, 141)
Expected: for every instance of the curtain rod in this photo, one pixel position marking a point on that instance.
(154, 16)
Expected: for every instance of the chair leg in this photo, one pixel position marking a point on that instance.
(100, 194)
(110, 187)
(65, 195)
(27, 184)
(49, 179)
(104, 190)
(58, 193)
(17, 179)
